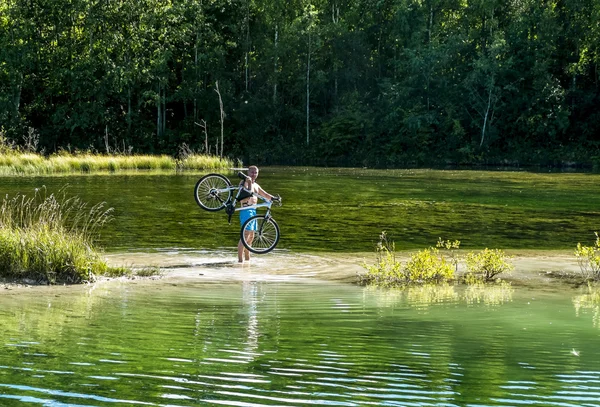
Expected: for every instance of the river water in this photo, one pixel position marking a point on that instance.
(291, 329)
(251, 341)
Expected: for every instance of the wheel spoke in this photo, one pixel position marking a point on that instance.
(212, 192)
(264, 238)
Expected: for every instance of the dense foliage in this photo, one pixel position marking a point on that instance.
(336, 82)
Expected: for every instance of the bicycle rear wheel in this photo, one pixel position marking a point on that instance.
(212, 191)
(260, 234)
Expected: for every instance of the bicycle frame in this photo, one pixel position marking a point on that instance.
(230, 204)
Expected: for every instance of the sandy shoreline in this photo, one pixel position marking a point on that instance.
(531, 268)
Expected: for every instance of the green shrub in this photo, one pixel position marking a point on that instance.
(424, 267)
(486, 265)
(588, 258)
(427, 266)
(436, 265)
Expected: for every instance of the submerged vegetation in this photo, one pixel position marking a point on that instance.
(49, 239)
(433, 265)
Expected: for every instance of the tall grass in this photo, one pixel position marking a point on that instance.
(26, 163)
(49, 239)
(206, 162)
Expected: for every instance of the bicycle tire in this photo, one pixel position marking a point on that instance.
(205, 192)
(265, 237)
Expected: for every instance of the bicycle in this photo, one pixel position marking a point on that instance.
(214, 192)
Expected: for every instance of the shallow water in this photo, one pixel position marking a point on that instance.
(294, 340)
(345, 210)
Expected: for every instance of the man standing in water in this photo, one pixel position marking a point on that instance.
(250, 184)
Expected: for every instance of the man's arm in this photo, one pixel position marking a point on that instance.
(264, 193)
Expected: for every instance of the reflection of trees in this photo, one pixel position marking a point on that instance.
(589, 301)
(489, 294)
(423, 296)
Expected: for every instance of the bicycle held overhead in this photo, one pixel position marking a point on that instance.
(259, 233)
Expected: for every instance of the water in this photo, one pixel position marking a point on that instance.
(345, 210)
(290, 330)
(296, 343)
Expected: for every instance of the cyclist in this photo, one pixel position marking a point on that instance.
(251, 186)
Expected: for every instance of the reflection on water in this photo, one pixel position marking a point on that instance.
(252, 342)
(489, 294)
(590, 301)
(424, 296)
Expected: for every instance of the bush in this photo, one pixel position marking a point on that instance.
(588, 258)
(486, 265)
(434, 266)
(424, 267)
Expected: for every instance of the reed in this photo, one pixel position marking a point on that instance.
(20, 163)
(49, 239)
(205, 162)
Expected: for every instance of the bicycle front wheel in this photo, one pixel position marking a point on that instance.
(260, 234)
(212, 191)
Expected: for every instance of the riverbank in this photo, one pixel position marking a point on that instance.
(537, 269)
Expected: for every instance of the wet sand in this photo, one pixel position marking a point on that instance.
(542, 267)
(535, 269)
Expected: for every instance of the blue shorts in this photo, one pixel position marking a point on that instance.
(246, 214)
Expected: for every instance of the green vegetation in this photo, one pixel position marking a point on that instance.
(424, 267)
(351, 83)
(588, 258)
(16, 163)
(49, 239)
(433, 265)
(486, 265)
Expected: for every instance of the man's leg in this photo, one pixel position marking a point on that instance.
(241, 249)
(249, 239)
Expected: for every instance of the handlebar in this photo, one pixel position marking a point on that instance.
(241, 175)
(277, 198)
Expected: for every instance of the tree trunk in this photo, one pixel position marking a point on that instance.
(276, 64)
(308, 92)
(158, 114)
(247, 40)
(487, 111)
(220, 154)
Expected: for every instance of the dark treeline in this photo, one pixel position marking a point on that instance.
(335, 82)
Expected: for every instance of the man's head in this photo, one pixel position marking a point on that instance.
(253, 172)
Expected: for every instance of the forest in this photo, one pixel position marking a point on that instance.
(373, 83)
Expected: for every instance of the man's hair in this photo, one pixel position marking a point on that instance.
(253, 166)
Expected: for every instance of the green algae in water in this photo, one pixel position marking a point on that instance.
(345, 210)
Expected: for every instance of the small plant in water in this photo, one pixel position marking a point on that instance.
(434, 265)
(450, 247)
(588, 258)
(486, 265)
(423, 267)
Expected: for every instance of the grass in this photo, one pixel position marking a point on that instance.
(49, 239)
(24, 163)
